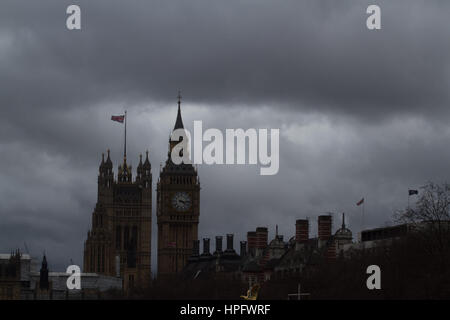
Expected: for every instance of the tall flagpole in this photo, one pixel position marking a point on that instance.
(363, 207)
(125, 143)
(408, 199)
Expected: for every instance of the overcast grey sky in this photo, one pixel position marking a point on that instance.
(361, 113)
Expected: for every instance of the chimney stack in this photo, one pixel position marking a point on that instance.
(301, 230)
(251, 242)
(195, 251)
(324, 227)
(230, 250)
(196, 248)
(218, 245)
(230, 242)
(243, 248)
(261, 237)
(206, 247)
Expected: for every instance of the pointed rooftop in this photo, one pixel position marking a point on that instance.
(147, 162)
(179, 121)
(108, 160)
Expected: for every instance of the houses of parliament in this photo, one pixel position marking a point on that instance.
(119, 242)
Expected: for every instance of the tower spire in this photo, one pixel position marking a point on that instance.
(343, 220)
(179, 121)
(43, 275)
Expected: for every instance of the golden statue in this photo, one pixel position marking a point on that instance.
(252, 293)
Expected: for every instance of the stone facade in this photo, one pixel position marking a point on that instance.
(178, 211)
(93, 286)
(10, 276)
(119, 243)
(21, 279)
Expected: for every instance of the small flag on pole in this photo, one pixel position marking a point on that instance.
(118, 118)
(360, 202)
(411, 192)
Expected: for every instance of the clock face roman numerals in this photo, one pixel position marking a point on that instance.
(181, 201)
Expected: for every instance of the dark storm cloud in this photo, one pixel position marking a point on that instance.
(361, 113)
(302, 54)
(327, 164)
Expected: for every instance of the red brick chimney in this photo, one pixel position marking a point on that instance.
(261, 237)
(324, 227)
(301, 230)
(251, 242)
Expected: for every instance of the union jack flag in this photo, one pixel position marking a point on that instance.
(118, 118)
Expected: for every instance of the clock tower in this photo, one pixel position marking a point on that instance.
(177, 210)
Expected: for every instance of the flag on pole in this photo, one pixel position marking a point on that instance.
(118, 118)
(411, 192)
(360, 202)
(122, 118)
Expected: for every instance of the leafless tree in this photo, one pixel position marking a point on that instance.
(429, 219)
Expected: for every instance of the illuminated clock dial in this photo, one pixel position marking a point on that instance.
(181, 201)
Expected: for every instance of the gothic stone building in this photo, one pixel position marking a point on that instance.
(178, 211)
(119, 243)
(10, 276)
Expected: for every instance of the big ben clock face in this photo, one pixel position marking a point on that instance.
(181, 201)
